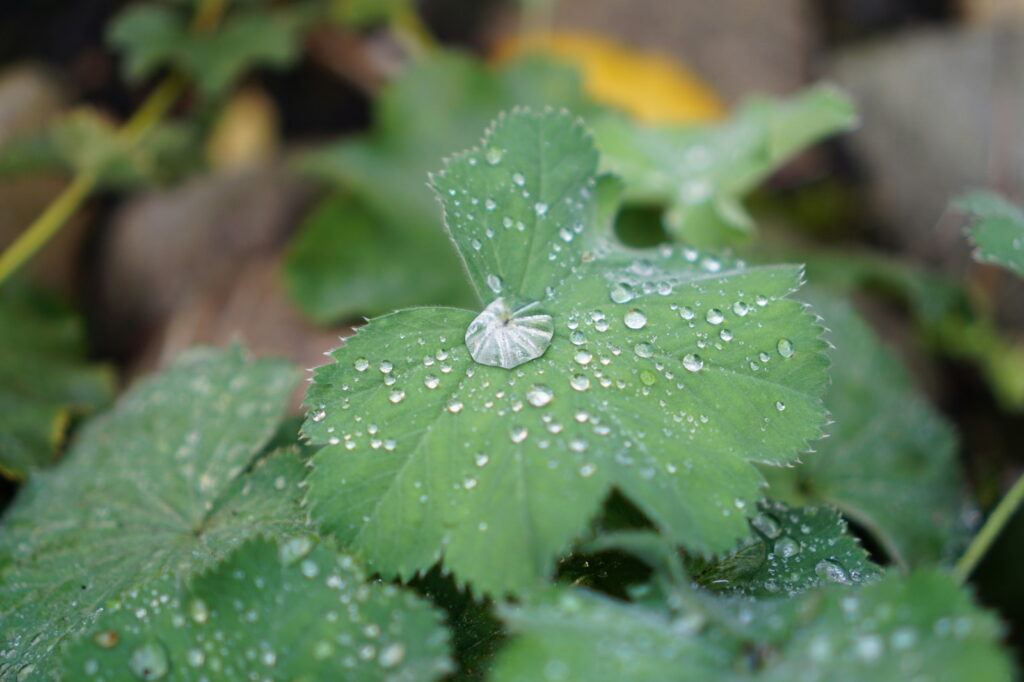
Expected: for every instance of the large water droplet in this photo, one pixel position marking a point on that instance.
(149, 661)
(505, 335)
(621, 293)
(787, 547)
(693, 362)
(832, 571)
(785, 348)
(715, 316)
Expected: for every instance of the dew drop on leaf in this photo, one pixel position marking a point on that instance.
(715, 316)
(539, 395)
(785, 348)
(506, 336)
(635, 319)
(149, 661)
(580, 382)
(787, 547)
(621, 293)
(692, 362)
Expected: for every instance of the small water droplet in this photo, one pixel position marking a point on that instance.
(621, 293)
(361, 365)
(693, 362)
(149, 661)
(391, 655)
(431, 381)
(455, 406)
(767, 525)
(494, 155)
(518, 434)
(715, 316)
(539, 395)
(540, 208)
(686, 313)
(779, 405)
(832, 572)
(643, 350)
(785, 348)
(495, 283)
(481, 459)
(635, 319)
(583, 357)
(787, 547)
(396, 397)
(519, 179)
(580, 382)
(741, 308)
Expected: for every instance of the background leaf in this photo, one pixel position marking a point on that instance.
(161, 485)
(289, 612)
(44, 380)
(700, 174)
(921, 627)
(997, 231)
(499, 469)
(889, 463)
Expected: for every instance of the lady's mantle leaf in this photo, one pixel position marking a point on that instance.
(285, 612)
(793, 550)
(701, 174)
(921, 627)
(43, 380)
(890, 463)
(158, 486)
(997, 232)
(667, 375)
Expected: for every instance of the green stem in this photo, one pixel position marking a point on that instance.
(995, 523)
(409, 28)
(67, 203)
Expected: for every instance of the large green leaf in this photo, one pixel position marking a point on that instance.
(792, 550)
(997, 232)
(700, 174)
(890, 461)
(382, 248)
(151, 36)
(163, 484)
(43, 381)
(923, 627)
(668, 374)
(267, 612)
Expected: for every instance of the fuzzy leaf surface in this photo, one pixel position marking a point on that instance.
(667, 375)
(289, 611)
(701, 174)
(44, 379)
(890, 460)
(163, 484)
(793, 550)
(920, 627)
(382, 247)
(997, 230)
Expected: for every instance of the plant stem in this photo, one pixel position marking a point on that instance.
(65, 204)
(411, 31)
(995, 523)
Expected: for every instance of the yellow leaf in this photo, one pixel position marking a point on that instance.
(650, 86)
(246, 132)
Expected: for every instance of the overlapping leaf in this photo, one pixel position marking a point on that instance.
(890, 461)
(152, 35)
(793, 550)
(997, 232)
(43, 381)
(380, 247)
(668, 374)
(160, 485)
(921, 627)
(701, 174)
(267, 612)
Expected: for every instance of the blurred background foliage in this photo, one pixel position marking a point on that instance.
(176, 172)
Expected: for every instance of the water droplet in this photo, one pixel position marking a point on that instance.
(493, 156)
(540, 208)
(785, 348)
(869, 647)
(391, 655)
(396, 396)
(779, 405)
(580, 382)
(635, 319)
(587, 470)
(507, 336)
(787, 547)
(361, 365)
(481, 459)
(149, 661)
(469, 483)
(386, 367)
(539, 395)
(693, 362)
(583, 357)
(198, 612)
(621, 293)
(518, 434)
(767, 525)
(455, 406)
(831, 571)
(195, 657)
(519, 179)
(431, 381)
(715, 316)
(686, 313)
(495, 283)
(725, 335)
(648, 378)
(319, 415)
(643, 350)
(741, 308)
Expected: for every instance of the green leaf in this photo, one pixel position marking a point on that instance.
(365, 12)
(700, 174)
(997, 230)
(160, 485)
(653, 381)
(920, 627)
(44, 380)
(389, 251)
(890, 460)
(792, 551)
(152, 36)
(285, 612)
